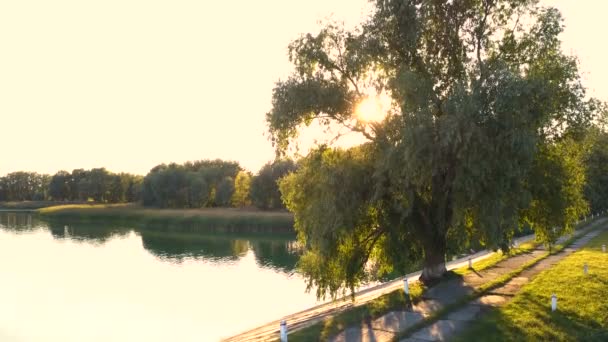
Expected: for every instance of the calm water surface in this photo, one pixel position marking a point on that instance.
(61, 281)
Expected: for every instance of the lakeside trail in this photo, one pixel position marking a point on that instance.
(308, 317)
(389, 326)
(453, 292)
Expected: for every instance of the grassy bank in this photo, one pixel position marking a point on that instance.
(392, 301)
(226, 220)
(581, 316)
(584, 228)
(29, 205)
(396, 299)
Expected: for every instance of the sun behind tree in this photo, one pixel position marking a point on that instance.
(373, 108)
(473, 150)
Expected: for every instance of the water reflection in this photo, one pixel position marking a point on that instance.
(144, 284)
(19, 222)
(270, 251)
(177, 248)
(278, 255)
(93, 233)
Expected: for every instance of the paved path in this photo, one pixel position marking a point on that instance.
(387, 327)
(270, 331)
(451, 325)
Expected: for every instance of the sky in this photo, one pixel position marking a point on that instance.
(129, 84)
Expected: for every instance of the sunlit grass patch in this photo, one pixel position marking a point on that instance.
(26, 205)
(582, 313)
(83, 207)
(497, 257)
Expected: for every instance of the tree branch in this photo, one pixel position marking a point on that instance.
(342, 68)
(480, 33)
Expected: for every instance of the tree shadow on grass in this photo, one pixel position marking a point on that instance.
(534, 322)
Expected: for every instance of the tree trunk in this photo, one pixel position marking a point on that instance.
(434, 262)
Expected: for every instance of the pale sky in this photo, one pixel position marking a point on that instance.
(128, 84)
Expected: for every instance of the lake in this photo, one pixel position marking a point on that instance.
(95, 281)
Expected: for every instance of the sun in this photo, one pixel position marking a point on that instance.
(373, 108)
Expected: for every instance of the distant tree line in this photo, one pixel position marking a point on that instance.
(198, 184)
(214, 183)
(99, 185)
(24, 186)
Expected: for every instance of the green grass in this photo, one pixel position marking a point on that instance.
(392, 301)
(375, 308)
(26, 205)
(497, 257)
(224, 220)
(500, 281)
(582, 313)
(396, 300)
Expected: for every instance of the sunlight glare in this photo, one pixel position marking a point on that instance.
(373, 108)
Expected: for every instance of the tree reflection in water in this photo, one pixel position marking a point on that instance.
(278, 252)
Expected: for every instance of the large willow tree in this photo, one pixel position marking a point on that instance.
(480, 137)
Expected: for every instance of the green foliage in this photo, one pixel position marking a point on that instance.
(59, 187)
(264, 190)
(332, 196)
(24, 186)
(99, 184)
(483, 138)
(224, 192)
(556, 183)
(242, 185)
(190, 185)
(596, 189)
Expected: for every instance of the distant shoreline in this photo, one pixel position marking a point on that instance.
(31, 205)
(225, 220)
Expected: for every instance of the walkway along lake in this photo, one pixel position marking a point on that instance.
(101, 282)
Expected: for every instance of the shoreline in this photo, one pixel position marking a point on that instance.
(205, 220)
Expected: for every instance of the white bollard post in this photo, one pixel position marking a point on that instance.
(470, 264)
(604, 248)
(406, 286)
(586, 269)
(283, 331)
(553, 302)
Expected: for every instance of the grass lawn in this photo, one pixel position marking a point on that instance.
(582, 313)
